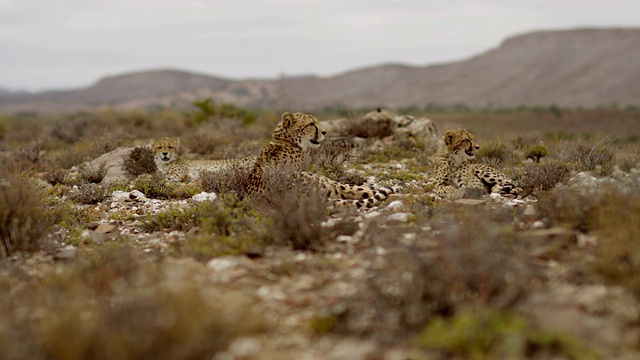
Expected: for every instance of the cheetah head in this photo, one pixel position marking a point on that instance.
(301, 129)
(461, 143)
(165, 150)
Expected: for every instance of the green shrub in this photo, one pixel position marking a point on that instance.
(157, 187)
(67, 214)
(536, 152)
(495, 335)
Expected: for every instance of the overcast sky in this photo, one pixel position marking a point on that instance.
(72, 43)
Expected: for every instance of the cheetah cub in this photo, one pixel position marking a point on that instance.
(166, 157)
(455, 172)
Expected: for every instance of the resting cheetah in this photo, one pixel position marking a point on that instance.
(165, 151)
(454, 170)
(294, 133)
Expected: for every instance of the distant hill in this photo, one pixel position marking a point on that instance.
(583, 67)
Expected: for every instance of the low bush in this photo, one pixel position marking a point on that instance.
(22, 223)
(616, 222)
(93, 173)
(588, 155)
(139, 161)
(111, 305)
(88, 194)
(157, 187)
(472, 263)
(494, 153)
(536, 152)
(225, 181)
(498, 335)
(296, 211)
(541, 176)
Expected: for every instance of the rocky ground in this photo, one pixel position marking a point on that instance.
(551, 274)
(355, 298)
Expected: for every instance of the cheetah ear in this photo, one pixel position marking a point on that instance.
(448, 136)
(287, 119)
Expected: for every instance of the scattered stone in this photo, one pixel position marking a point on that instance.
(106, 229)
(530, 211)
(68, 253)
(395, 205)
(587, 240)
(344, 239)
(137, 195)
(94, 237)
(120, 196)
(398, 218)
(204, 196)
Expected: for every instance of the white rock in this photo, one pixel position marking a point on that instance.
(120, 196)
(372, 214)
(222, 263)
(394, 205)
(137, 196)
(204, 196)
(401, 217)
(537, 225)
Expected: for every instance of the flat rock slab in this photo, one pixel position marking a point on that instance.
(470, 202)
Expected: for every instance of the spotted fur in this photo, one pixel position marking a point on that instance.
(168, 161)
(284, 154)
(455, 172)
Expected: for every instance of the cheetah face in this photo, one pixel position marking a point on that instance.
(165, 150)
(461, 143)
(302, 129)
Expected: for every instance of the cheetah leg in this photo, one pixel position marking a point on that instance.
(346, 194)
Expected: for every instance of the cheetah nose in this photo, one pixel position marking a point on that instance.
(324, 132)
(477, 147)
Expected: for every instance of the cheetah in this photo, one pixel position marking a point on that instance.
(168, 161)
(295, 133)
(455, 172)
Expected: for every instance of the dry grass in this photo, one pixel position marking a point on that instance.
(537, 177)
(473, 263)
(139, 161)
(111, 305)
(447, 269)
(616, 222)
(225, 181)
(296, 212)
(22, 223)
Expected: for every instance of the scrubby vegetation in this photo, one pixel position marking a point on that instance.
(140, 267)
